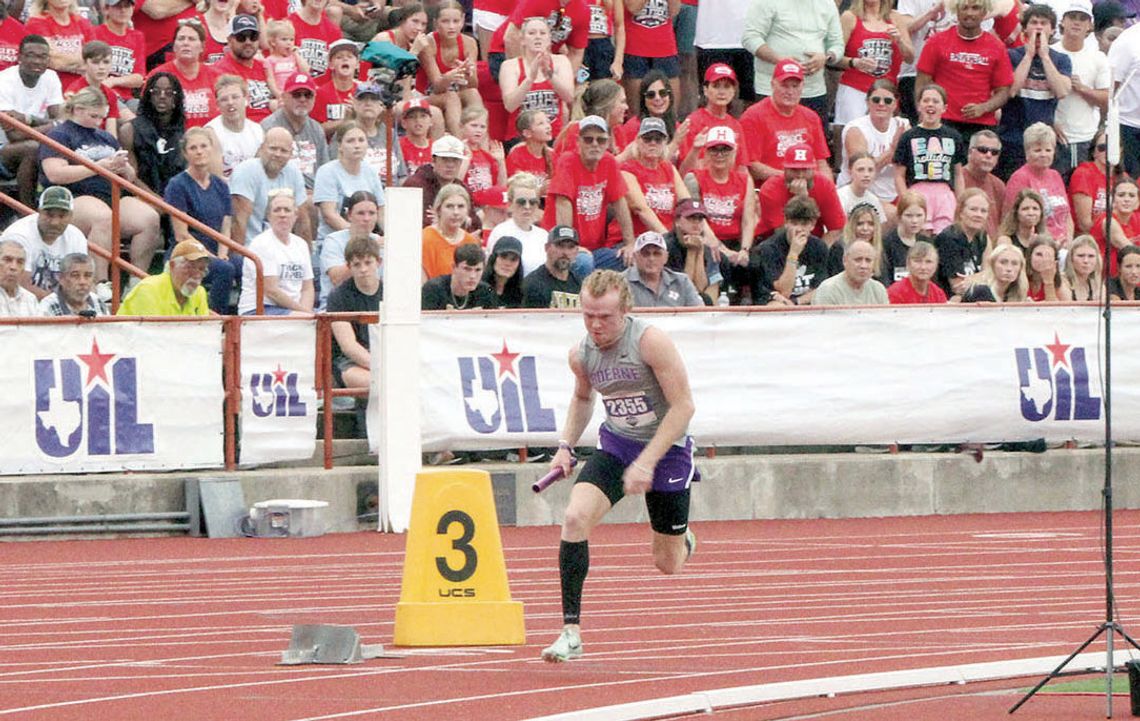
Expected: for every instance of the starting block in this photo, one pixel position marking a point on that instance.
(319, 643)
(454, 590)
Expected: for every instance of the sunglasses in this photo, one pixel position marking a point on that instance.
(594, 139)
(524, 202)
(1101, 147)
(881, 100)
(988, 151)
(654, 94)
(247, 37)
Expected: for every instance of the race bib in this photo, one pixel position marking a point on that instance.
(630, 411)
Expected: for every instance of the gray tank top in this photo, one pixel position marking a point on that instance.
(633, 401)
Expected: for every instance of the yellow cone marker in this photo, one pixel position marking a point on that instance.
(454, 591)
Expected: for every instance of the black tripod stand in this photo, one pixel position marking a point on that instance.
(1109, 628)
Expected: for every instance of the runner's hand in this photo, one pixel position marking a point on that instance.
(636, 479)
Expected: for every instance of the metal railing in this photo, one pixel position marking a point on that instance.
(118, 184)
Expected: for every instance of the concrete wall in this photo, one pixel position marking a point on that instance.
(736, 487)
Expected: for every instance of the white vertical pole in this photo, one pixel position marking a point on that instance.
(399, 371)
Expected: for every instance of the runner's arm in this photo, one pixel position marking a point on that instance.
(659, 353)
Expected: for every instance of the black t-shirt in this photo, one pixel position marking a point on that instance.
(930, 155)
(436, 295)
(543, 290)
(347, 298)
(816, 264)
(958, 255)
(894, 256)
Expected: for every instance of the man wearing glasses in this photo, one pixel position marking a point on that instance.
(177, 290)
(985, 148)
(242, 60)
(586, 185)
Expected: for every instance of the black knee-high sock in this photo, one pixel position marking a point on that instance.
(573, 565)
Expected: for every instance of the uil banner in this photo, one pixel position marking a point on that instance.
(279, 397)
(899, 374)
(110, 397)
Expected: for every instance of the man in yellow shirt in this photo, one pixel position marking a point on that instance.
(176, 291)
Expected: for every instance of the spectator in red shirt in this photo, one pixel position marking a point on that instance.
(486, 161)
(569, 22)
(918, 286)
(973, 66)
(729, 198)
(538, 79)
(1125, 226)
(778, 122)
(60, 23)
(606, 99)
(96, 67)
(1088, 183)
(800, 178)
(197, 80)
(533, 154)
(585, 186)
(415, 143)
(244, 60)
(981, 159)
(655, 100)
(448, 58)
(128, 49)
(315, 34)
(335, 91)
(216, 18)
(875, 48)
(654, 184)
(721, 89)
(11, 33)
(158, 20)
(650, 44)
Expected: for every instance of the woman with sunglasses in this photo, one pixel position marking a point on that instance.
(876, 133)
(538, 79)
(729, 197)
(655, 100)
(874, 49)
(196, 79)
(1087, 185)
(654, 184)
(523, 193)
(1125, 227)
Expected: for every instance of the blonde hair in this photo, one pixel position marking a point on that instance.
(601, 282)
(226, 81)
(472, 112)
(1018, 291)
(86, 98)
(884, 9)
(526, 181)
(446, 192)
(278, 28)
(39, 7)
(1039, 133)
(1096, 278)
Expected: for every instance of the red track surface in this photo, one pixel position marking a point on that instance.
(189, 628)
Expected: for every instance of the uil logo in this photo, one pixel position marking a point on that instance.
(275, 394)
(88, 404)
(501, 389)
(1054, 382)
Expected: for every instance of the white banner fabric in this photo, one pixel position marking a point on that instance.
(899, 374)
(110, 397)
(278, 394)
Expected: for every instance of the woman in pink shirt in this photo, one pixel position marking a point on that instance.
(1038, 174)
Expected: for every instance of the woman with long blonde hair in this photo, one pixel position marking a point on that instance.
(1084, 268)
(1003, 280)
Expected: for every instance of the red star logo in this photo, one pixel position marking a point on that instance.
(1058, 349)
(96, 362)
(506, 360)
(279, 375)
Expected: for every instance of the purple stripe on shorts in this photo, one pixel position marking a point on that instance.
(674, 472)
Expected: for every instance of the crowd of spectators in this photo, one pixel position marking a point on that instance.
(727, 152)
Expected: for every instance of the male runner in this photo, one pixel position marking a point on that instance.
(643, 445)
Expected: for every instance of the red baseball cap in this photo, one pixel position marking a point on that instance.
(787, 68)
(492, 197)
(720, 71)
(299, 81)
(799, 156)
(416, 104)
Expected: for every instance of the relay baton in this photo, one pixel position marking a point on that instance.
(555, 475)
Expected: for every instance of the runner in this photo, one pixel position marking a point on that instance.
(643, 445)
